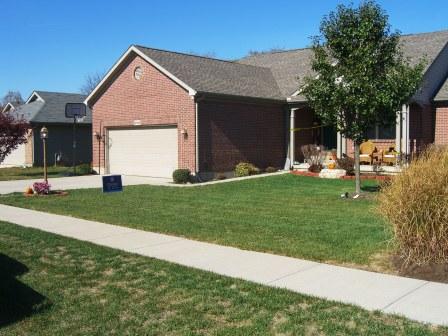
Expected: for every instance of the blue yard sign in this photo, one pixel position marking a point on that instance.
(112, 183)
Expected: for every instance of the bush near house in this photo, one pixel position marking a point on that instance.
(346, 163)
(246, 169)
(84, 169)
(415, 204)
(314, 155)
(271, 170)
(182, 176)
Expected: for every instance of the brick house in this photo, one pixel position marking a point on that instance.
(48, 109)
(157, 110)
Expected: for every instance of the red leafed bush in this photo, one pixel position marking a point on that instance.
(13, 132)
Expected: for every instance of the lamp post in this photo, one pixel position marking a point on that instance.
(44, 137)
(100, 138)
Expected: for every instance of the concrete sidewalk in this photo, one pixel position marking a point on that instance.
(419, 300)
(78, 182)
(95, 181)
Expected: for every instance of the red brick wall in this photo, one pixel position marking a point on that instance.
(441, 127)
(154, 100)
(231, 132)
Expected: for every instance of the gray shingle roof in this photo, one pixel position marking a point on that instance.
(290, 67)
(28, 111)
(52, 109)
(442, 95)
(217, 76)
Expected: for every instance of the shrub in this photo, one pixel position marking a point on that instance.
(346, 163)
(271, 170)
(41, 188)
(415, 205)
(83, 169)
(315, 167)
(246, 169)
(313, 154)
(181, 176)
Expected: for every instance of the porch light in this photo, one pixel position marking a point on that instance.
(44, 133)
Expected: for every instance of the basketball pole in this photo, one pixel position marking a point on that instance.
(74, 145)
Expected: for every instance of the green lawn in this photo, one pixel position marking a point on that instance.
(18, 173)
(51, 285)
(284, 214)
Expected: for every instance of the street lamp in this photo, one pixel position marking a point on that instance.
(44, 137)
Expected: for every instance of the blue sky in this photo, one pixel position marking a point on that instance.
(52, 45)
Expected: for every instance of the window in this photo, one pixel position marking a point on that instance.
(381, 132)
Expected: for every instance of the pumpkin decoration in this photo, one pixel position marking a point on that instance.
(331, 165)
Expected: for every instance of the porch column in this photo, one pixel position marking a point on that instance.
(398, 132)
(405, 130)
(341, 145)
(292, 146)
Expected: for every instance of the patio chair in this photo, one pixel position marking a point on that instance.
(390, 156)
(366, 151)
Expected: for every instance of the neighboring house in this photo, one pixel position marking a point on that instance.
(9, 107)
(160, 110)
(48, 109)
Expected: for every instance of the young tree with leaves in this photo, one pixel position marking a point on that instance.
(13, 132)
(361, 76)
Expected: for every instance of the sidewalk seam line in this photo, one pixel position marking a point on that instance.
(294, 273)
(404, 295)
(135, 250)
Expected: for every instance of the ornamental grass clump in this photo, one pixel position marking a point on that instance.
(415, 205)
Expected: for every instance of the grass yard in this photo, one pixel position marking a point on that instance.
(52, 285)
(19, 173)
(285, 214)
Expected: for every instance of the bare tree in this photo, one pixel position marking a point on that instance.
(13, 97)
(91, 81)
(268, 51)
(208, 54)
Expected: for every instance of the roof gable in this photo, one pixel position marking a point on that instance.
(442, 95)
(8, 107)
(211, 75)
(49, 107)
(200, 74)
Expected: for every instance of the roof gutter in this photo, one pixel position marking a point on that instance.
(249, 99)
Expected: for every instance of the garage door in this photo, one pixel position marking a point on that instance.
(15, 158)
(143, 151)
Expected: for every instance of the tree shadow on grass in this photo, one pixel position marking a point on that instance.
(371, 188)
(17, 300)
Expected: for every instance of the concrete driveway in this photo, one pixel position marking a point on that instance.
(78, 182)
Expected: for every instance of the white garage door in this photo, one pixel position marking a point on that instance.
(143, 151)
(15, 158)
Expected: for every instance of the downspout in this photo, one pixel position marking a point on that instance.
(197, 100)
(196, 138)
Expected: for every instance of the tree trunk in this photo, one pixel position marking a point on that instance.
(357, 170)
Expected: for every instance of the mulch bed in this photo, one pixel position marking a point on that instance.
(429, 272)
(52, 193)
(363, 176)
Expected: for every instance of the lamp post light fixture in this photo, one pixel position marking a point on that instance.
(44, 137)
